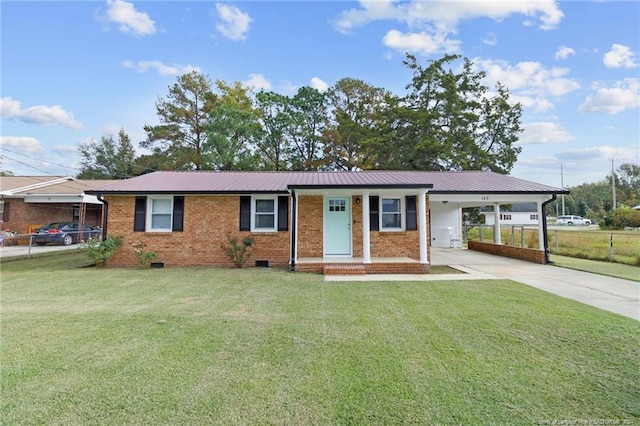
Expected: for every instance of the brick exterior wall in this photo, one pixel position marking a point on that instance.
(208, 220)
(23, 216)
(522, 253)
(310, 225)
(383, 244)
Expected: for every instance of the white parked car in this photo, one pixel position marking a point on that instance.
(573, 220)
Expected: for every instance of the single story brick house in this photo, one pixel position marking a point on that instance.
(28, 202)
(364, 221)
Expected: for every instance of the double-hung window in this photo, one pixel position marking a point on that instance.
(155, 213)
(264, 215)
(391, 214)
(160, 213)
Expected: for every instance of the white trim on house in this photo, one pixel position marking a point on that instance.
(255, 198)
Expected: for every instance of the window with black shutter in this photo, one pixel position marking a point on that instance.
(283, 213)
(412, 214)
(245, 213)
(140, 214)
(374, 213)
(178, 214)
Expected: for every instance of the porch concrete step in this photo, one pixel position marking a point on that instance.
(346, 269)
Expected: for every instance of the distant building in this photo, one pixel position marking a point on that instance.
(520, 214)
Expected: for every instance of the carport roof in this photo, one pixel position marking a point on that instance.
(219, 182)
(20, 186)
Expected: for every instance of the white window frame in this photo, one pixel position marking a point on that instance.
(401, 212)
(254, 200)
(149, 213)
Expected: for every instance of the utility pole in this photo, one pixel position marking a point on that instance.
(613, 183)
(562, 186)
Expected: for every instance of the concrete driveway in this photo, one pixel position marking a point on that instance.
(13, 251)
(612, 294)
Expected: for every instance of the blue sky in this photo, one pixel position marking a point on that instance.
(73, 71)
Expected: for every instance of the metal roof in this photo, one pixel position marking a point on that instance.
(19, 186)
(219, 182)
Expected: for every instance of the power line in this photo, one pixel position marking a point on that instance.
(38, 159)
(28, 165)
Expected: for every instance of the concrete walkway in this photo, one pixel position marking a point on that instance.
(612, 294)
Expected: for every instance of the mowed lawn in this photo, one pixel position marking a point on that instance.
(81, 345)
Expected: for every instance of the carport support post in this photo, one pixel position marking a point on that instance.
(540, 226)
(366, 229)
(497, 238)
(422, 228)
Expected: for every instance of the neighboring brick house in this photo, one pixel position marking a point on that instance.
(369, 221)
(27, 202)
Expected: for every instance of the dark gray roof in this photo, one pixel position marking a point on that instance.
(212, 182)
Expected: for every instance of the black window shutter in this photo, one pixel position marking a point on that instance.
(5, 212)
(245, 213)
(412, 217)
(178, 214)
(374, 213)
(283, 213)
(140, 214)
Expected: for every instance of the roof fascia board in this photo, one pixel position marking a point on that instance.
(559, 191)
(61, 198)
(38, 185)
(364, 186)
(124, 193)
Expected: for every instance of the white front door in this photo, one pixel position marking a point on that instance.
(337, 226)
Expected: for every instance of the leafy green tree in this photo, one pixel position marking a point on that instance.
(274, 147)
(628, 181)
(184, 115)
(232, 129)
(308, 112)
(108, 158)
(356, 113)
(450, 121)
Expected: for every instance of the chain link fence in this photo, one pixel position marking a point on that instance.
(612, 246)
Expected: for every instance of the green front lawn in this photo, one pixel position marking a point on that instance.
(194, 346)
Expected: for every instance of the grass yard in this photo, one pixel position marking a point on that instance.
(610, 269)
(578, 242)
(192, 346)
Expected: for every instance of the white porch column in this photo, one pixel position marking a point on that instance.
(295, 234)
(422, 227)
(497, 238)
(540, 228)
(366, 229)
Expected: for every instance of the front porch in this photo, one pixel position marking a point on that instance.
(357, 266)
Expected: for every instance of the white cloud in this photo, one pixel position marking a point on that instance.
(599, 153)
(490, 39)
(623, 95)
(563, 52)
(529, 82)
(544, 133)
(162, 69)
(289, 87)
(258, 82)
(418, 12)
(421, 42)
(319, 84)
(619, 57)
(429, 23)
(234, 23)
(129, 19)
(65, 150)
(39, 114)
(538, 104)
(22, 144)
